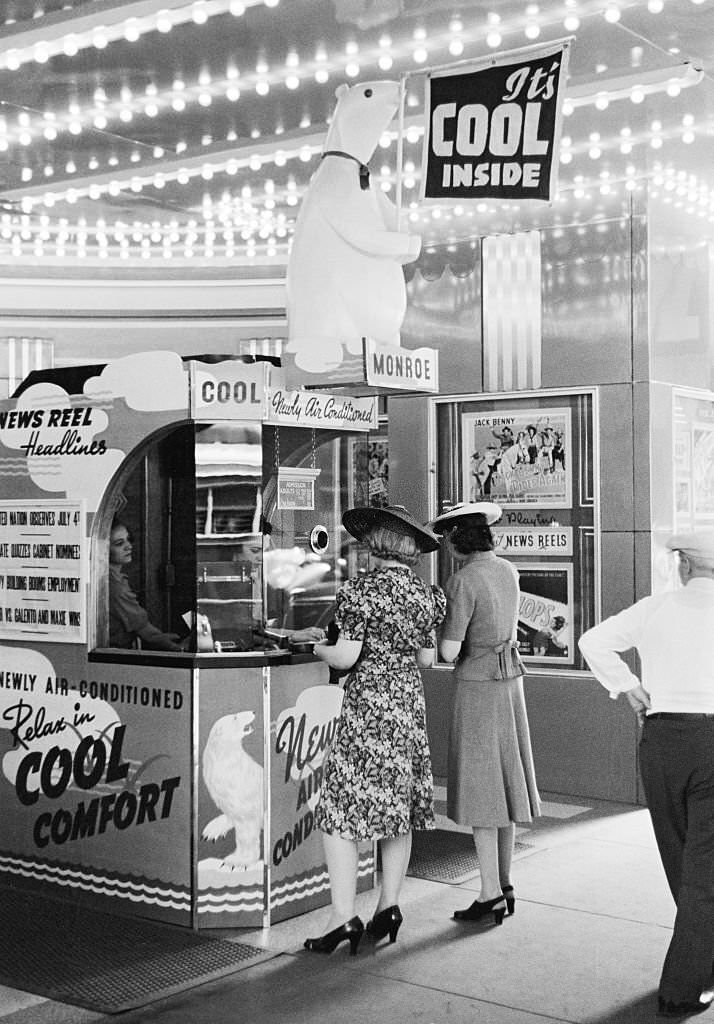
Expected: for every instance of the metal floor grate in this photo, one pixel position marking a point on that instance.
(446, 856)
(105, 962)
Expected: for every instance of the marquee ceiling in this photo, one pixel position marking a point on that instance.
(161, 129)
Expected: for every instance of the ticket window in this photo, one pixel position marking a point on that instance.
(236, 532)
(153, 498)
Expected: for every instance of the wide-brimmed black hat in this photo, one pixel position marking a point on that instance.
(361, 520)
(488, 509)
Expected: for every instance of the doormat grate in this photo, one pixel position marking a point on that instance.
(105, 962)
(446, 856)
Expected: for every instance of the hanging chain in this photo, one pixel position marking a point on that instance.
(313, 450)
(276, 449)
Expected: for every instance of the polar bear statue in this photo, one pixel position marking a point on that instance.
(344, 275)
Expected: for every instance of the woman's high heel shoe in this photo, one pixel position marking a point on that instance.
(386, 922)
(352, 931)
(478, 910)
(510, 898)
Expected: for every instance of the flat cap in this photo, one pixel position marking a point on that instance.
(698, 544)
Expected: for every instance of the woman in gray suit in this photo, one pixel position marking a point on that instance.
(491, 779)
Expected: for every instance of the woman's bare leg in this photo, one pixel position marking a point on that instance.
(395, 861)
(341, 856)
(487, 847)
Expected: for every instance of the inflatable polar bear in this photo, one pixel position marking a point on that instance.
(344, 276)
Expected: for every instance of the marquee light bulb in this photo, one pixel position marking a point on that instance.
(612, 13)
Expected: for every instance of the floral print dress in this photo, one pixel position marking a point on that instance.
(378, 782)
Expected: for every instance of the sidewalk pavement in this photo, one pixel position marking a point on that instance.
(586, 944)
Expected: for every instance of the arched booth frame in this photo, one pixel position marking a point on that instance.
(176, 785)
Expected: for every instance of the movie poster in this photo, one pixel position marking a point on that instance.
(368, 477)
(545, 613)
(518, 457)
(703, 471)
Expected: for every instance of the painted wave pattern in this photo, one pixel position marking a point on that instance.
(136, 889)
(250, 898)
(18, 466)
(309, 884)
(231, 901)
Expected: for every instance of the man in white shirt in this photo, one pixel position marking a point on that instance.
(674, 702)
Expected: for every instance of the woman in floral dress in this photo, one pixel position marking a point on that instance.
(378, 782)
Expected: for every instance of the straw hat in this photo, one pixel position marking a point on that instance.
(360, 521)
(489, 509)
(698, 545)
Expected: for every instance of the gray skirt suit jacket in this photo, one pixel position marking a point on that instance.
(491, 778)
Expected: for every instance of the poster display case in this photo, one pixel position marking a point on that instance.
(693, 459)
(173, 780)
(535, 455)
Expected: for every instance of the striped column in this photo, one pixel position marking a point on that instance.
(511, 290)
(19, 356)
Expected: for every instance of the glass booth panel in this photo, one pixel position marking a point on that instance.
(229, 543)
(311, 478)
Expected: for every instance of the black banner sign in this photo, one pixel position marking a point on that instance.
(493, 131)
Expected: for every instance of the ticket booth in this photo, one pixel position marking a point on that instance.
(172, 784)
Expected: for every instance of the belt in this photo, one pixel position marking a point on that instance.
(676, 716)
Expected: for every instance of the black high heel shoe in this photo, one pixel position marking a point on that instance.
(478, 910)
(386, 922)
(353, 931)
(510, 898)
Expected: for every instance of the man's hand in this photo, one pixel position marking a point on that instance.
(639, 700)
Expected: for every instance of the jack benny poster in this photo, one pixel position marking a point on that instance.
(517, 457)
(492, 128)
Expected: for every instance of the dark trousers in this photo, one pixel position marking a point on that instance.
(677, 767)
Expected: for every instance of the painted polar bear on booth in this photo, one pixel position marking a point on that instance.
(344, 276)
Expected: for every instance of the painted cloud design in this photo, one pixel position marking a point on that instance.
(147, 381)
(84, 478)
